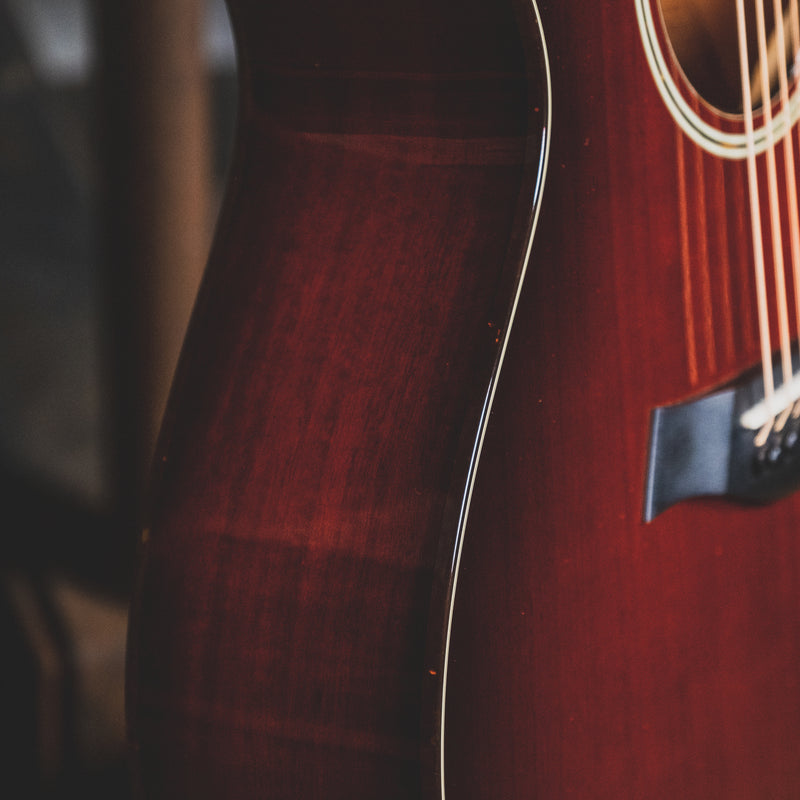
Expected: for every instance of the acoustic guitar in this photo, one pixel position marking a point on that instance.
(399, 547)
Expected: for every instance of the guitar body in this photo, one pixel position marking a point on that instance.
(355, 581)
(592, 654)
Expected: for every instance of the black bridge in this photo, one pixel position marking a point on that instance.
(701, 448)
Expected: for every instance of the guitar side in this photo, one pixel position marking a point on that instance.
(319, 439)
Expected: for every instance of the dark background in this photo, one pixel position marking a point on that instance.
(99, 245)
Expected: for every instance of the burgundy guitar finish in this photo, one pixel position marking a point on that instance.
(288, 634)
(593, 655)
(319, 434)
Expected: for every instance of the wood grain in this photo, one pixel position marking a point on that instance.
(286, 641)
(329, 391)
(621, 660)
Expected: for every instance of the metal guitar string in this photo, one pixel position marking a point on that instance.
(791, 174)
(790, 180)
(755, 219)
(773, 198)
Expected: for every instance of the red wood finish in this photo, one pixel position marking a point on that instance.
(594, 655)
(319, 432)
(287, 638)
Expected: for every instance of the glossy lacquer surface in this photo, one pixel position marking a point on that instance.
(286, 636)
(289, 634)
(593, 655)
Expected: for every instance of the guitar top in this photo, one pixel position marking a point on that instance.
(477, 479)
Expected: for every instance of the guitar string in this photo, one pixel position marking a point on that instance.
(794, 34)
(755, 219)
(790, 176)
(776, 231)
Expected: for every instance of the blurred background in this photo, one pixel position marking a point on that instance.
(116, 125)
